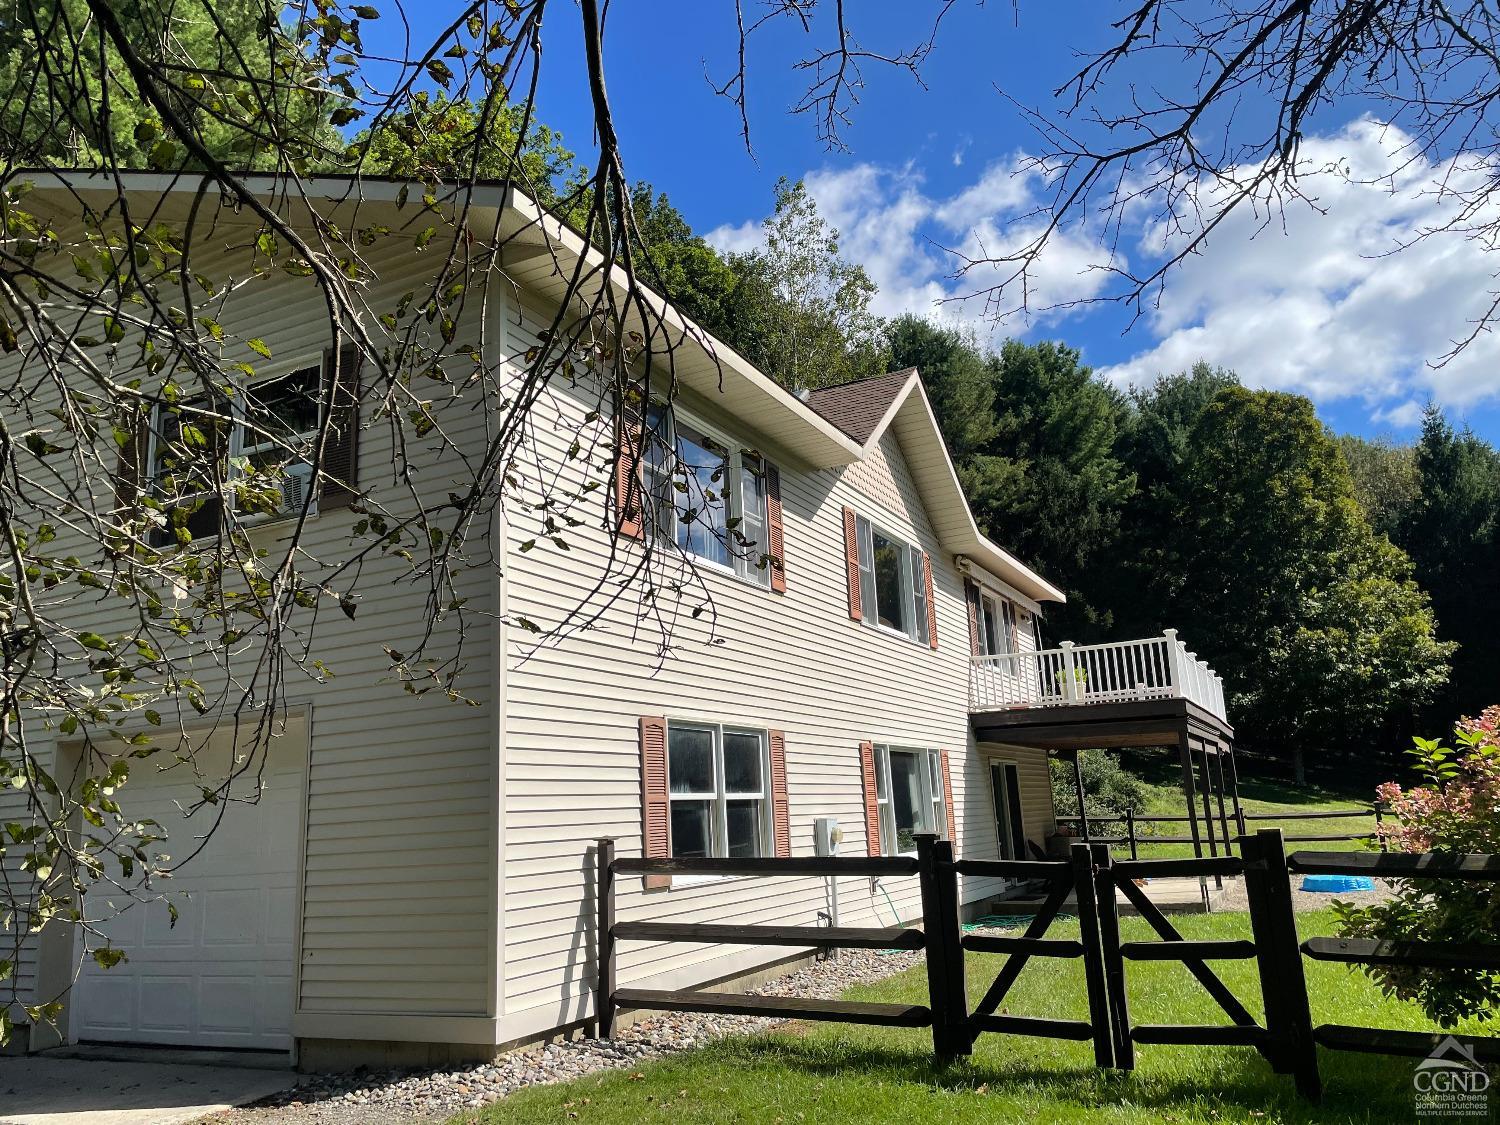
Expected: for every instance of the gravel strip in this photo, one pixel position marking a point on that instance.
(418, 1097)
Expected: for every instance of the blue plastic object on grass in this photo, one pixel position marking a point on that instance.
(1333, 884)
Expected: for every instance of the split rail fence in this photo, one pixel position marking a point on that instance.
(1090, 884)
(1130, 835)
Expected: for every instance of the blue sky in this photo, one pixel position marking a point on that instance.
(1317, 307)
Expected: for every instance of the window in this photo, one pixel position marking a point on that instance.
(717, 778)
(892, 581)
(706, 496)
(909, 794)
(1005, 793)
(997, 626)
(196, 445)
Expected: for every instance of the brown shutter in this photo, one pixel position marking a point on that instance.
(656, 833)
(130, 472)
(628, 471)
(776, 539)
(341, 449)
(872, 798)
(780, 817)
(851, 564)
(948, 797)
(931, 605)
(971, 598)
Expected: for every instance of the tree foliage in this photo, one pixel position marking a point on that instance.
(1455, 809)
(1273, 572)
(1033, 435)
(801, 311)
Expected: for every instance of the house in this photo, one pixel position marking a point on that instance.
(414, 882)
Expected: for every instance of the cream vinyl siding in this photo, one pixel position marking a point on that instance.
(794, 662)
(397, 901)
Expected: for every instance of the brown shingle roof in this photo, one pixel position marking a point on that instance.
(857, 408)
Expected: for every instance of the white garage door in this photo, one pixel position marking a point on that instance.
(222, 976)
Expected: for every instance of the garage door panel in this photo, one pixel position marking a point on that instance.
(221, 976)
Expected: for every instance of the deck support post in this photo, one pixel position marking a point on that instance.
(1223, 812)
(1189, 788)
(1083, 815)
(1234, 782)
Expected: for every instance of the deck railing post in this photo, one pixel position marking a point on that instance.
(1273, 923)
(1176, 674)
(1070, 672)
(604, 940)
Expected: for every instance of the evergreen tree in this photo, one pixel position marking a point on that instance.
(1453, 536)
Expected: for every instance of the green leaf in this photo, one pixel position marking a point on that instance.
(93, 641)
(108, 958)
(258, 346)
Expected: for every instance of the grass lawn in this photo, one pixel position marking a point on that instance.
(839, 1073)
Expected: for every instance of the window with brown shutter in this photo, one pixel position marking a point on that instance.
(948, 797)
(628, 512)
(971, 600)
(851, 565)
(341, 370)
(775, 536)
(932, 637)
(656, 838)
(872, 798)
(780, 814)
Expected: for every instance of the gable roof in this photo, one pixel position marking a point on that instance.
(897, 403)
(834, 427)
(859, 408)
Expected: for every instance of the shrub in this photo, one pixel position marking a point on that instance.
(1108, 787)
(1456, 810)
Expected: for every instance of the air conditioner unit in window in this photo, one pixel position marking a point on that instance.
(296, 485)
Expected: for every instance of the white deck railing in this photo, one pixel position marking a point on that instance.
(1152, 668)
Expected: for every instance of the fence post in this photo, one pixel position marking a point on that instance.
(1093, 955)
(1114, 964)
(1283, 984)
(604, 940)
(1130, 829)
(960, 1035)
(938, 932)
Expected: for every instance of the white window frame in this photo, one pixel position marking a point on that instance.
(720, 797)
(239, 449)
(933, 796)
(913, 581)
(749, 564)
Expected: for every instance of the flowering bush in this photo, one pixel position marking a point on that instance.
(1456, 810)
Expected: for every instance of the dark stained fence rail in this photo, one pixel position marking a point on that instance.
(933, 866)
(1134, 839)
(1094, 880)
(1456, 956)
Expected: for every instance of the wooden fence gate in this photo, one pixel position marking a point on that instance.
(1286, 1037)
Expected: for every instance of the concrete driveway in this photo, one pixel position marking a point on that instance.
(56, 1091)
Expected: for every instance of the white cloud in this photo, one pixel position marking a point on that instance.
(1318, 302)
(736, 239)
(1314, 301)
